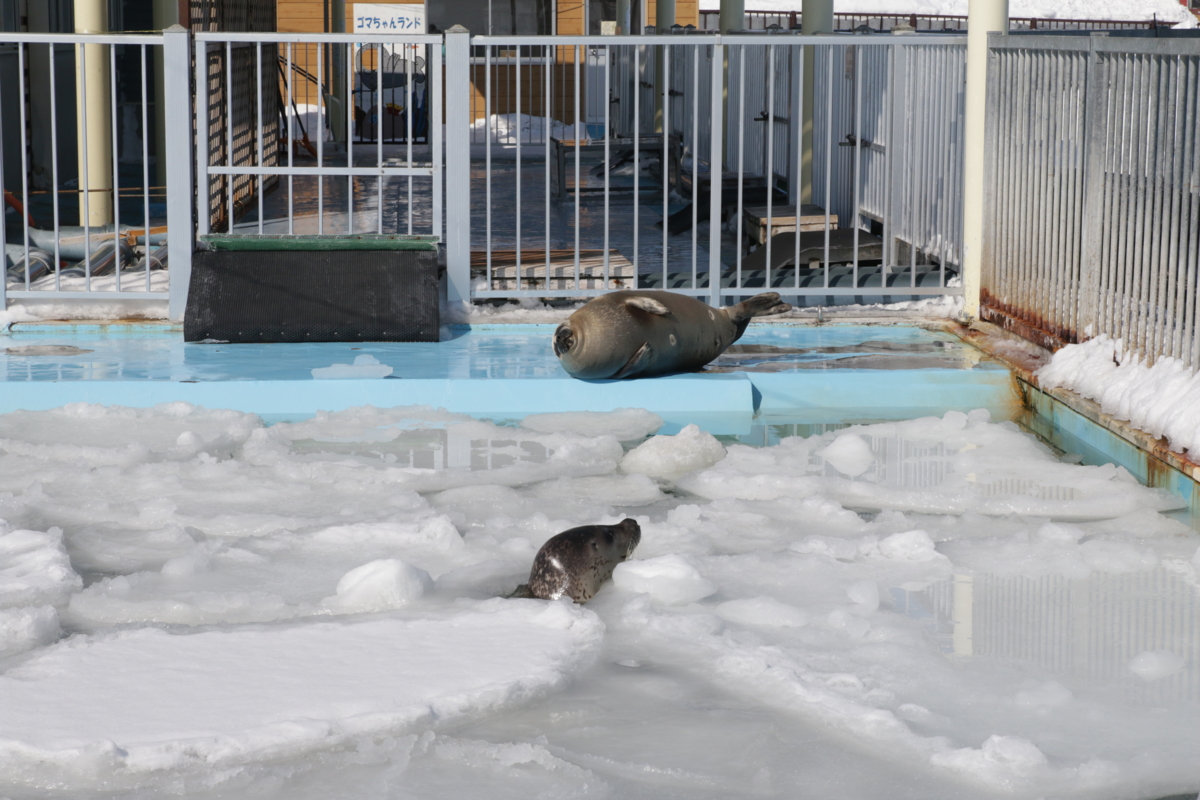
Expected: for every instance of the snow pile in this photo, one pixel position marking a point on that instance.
(671, 456)
(668, 579)
(380, 585)
(1163, 400)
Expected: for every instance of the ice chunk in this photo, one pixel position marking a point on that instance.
(865, 594)
(671, 456)
(909, 546)
(136, 704)
(763, 610)
(22, 629)
(670, 579)
(379, 586)
(625, 424)
(1153, 665)
(998, 761)
(849, 454)
(115, 549)
(364, 366)
(34, 569)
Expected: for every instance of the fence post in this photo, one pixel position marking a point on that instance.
(716, 173)
(1095, 119)
(458, 164)
(985, 16)
(181, 237)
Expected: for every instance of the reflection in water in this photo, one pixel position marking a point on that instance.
(433, 448)
(932, 354)
(1088, 629)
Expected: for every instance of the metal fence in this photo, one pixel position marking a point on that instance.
(1094, 181)
(594, 196)
(362, 155)
(790, 20)
(90, 215)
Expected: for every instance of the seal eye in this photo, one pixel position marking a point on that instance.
(564, 340)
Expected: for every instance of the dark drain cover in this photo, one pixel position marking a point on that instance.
(313, 296)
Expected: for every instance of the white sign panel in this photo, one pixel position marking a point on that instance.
(389, 18)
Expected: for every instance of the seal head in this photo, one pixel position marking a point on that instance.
(576, 562)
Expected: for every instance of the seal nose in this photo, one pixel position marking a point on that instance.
(564, 339)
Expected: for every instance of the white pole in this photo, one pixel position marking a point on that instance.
(816, 17)
(95, 187)
(983, 16)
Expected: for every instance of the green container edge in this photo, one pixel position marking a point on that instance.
(227, 242)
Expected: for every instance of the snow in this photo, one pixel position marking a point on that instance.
(671, 456)
(1167, 10)
(193, 602)
(1162, 400)
(668, 579)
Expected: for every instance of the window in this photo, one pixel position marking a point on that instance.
(599, 11)
(496, 17)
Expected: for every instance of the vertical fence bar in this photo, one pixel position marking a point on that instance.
(828, 152)
(84, 173)
(291, 118)
(1093, 142)
(54, 171)
(637, 163)
(515, 72)
(177, 92)
(741, 162)
(230, 178)
(409, 77)
(258, 133)
(350, 140)
(458, 167)
(695, 149)
(579, 54)
(487, 160)
(716, 167)
(145, 169)
(25, 166)
(116, 166)
(547, 80)
(798, 54)
(607, 137)
(770, 120)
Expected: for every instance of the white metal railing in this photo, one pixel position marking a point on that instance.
(1094, 182)
(93, 214)
(577, 213)
(850, 21)
(350, 179)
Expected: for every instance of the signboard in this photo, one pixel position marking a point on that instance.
(389, 18)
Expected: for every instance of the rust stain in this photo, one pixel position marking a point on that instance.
(1027, 324)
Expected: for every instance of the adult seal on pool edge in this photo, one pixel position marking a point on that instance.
(576, 562)
(636, 334)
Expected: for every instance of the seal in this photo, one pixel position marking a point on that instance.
(636, 334)
(576, 562)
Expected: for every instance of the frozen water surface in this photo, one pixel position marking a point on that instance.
(193, 602)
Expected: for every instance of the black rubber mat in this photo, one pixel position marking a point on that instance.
(313, 296)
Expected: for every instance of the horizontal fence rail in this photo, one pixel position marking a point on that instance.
(678, 162)
(325, 134)
(763, 20)
(1094, 176)
(86, 215)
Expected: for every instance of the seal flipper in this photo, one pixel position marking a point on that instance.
(639, 361)
(520, 591)
(652, 306)
(761, 305)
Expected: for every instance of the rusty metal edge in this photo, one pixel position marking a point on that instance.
(978, 335)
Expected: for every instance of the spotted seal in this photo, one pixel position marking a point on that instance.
(636, 334)
(576, 562)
